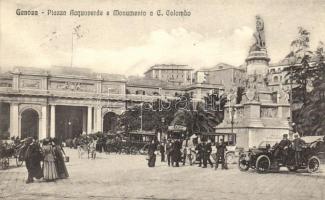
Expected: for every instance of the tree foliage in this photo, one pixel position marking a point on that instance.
(307, 74)
(196, 116)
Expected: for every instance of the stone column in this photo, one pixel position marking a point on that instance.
(14, 120)
(52, 126)
(43, 123)
(89, 119)
(84, 120)
(99, 119)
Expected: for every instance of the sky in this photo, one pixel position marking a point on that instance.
(216, 31)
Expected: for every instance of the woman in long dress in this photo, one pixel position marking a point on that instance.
(59, 160)
(152, 147)
(49, 169)
(33, 158)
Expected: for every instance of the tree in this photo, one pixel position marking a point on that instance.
(307, 74)
(202, 116)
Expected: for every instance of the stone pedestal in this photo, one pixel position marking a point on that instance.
(260, 116)
(257, 62)
(252, 114)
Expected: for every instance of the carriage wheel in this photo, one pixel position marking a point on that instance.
(263, 164)
(313, 164)
(243, 164)
(133, 150)
(19, 162)
(4, 163)
(292, 168)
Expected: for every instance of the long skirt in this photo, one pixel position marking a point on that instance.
(49, 171)
(60, 166)
(34, 169)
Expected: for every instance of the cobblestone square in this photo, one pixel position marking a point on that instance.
(115, 176)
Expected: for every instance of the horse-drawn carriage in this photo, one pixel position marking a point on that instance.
(10, 150)
(5, 154)
(137, 141)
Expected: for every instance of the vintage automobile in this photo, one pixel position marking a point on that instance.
(263, 158)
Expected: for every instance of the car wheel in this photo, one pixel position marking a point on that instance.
(292, 168)
(313, 164)
(263, 164)
(243, 164)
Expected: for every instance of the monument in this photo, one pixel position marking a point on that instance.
(262, 115)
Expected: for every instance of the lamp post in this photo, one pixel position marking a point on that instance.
(232, 112)
(232, 109)
(141, 116)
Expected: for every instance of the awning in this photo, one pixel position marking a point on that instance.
(177, 128)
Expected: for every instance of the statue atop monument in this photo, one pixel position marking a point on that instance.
(259, 35)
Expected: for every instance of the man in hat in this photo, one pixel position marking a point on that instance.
(169, 145)
(281, 150)
(298, 143)
(221, 150)
(33, 157)
(162, 151)
(199, 152)
(177, 154)
(206, 151)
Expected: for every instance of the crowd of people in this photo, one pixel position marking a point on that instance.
(179, 151)
(46, 159)
(48, 152)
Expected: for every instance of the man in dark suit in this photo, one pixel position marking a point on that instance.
(221, 150)
(281, 149)
(298, 143)
(207, 154)
(169, 147)
(162, 151)
(177, 152)
(199, 153)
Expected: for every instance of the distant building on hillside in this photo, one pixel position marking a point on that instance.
(222, 74)
(172, 73)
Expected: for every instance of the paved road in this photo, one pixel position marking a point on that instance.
(128, 177)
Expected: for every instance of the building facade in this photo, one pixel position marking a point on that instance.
(222, 74)
(175, 74)
(65, 102)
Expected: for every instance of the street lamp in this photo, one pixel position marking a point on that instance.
(231, 108)
(232, 112)
(141, 116)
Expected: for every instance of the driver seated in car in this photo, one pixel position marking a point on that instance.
(281, 150)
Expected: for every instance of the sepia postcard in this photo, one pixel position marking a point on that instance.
(164, 99)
